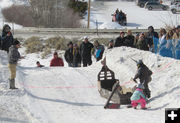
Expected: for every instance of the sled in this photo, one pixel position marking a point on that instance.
(110, 89)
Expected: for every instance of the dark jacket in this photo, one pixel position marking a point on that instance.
(13, 55)
(6, 41)
(85, 50)
(129, 41)
(0, 43)
(69, 55)
(142, 44)
(143, 73)
(119, 42)
(76, 56)
(150, 36)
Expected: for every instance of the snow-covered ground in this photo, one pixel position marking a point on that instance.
(63, 94)
(136, 17)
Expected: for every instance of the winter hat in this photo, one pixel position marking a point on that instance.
(75, 45)
(178, 27)
(141, 86)
(16, 42)
(122, 32)
(85, 37)
(139, 63)
(70, 43)
(55, 53)
(111, 40)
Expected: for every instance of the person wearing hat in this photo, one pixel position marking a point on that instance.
(85, 51)
(7, 38)
(38, 64)
(138, 97)
(13, 57)
(111, 44)
(142, 43)
(76, 56)
(120, 40)
(144, 75)
(56, 61)
(69, 54)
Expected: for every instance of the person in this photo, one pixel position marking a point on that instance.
(69, 54)
(162, 37)
(151, 35)
(7, 38)
(136, 40)
(38, 64)
(85, 51)
(76, 56)
(0, 43)
(13, 57)
(56, 61)
(111, 44)
(120, 40)
(142, 43)
(138, 97)
(144, 74)
(99, 50)
(129, 39)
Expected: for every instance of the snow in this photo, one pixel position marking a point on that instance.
(136, 17)
(63, 94)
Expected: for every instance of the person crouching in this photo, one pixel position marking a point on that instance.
(138, 97)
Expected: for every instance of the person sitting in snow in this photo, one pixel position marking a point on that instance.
(144, 74)
(138, 97)
(56, 61)
(38, 64)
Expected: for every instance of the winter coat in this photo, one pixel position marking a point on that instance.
(56, 62)
(76, 56)
(142, 44)
(143, 73)
(138, 94)
(150, 36)
(13, 55)
(99, 50)
(129, 41)
(6, 41)
(119, 42)
(85, 50)
(69, 55)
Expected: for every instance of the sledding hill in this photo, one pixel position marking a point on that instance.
(53, 95)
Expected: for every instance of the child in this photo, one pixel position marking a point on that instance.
(138, 97)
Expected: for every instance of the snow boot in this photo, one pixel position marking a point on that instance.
(12, 84)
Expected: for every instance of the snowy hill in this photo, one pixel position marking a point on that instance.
(63, 94)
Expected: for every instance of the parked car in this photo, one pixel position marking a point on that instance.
(141, 3)
(174, 2)
(175, 8)
(155, 5)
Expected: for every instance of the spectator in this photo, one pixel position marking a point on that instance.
(111, 44)
(176, 35)
(142, 43)
(129, 39)
(162, 37)
(56, 61)
(120, 40)
(76, 56)
(13, 58)
(85, 51)
(99, 50)
(7, 38)
(136, 40)
(38, 64)
(150, 35)
(69, 54)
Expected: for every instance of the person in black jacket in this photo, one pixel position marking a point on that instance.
(85, 50)
(144, 74)
(76, 56)
(7, 38)
(129, 39)
(69, 54)
(120, 40)
(150, 35)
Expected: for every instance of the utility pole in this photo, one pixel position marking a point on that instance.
(89, 7)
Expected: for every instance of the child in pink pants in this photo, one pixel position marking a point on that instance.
(138, 97)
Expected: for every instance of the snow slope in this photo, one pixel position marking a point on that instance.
(63, 94)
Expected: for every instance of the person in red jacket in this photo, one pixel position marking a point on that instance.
(56, 61)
